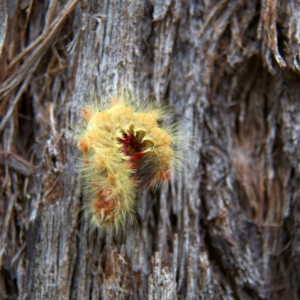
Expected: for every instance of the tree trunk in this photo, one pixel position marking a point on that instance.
(229, 227)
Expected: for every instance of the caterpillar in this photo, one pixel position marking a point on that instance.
(123, 147)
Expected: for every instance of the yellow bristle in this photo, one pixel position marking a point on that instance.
(123, 147)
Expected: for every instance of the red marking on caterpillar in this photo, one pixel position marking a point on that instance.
(123, 148)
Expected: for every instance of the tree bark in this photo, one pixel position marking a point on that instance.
(229, 227)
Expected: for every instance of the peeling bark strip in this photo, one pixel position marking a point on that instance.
(40, 46)
(229, 227)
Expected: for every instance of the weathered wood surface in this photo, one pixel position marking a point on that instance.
(229, 227)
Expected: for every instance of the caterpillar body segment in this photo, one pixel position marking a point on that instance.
(123, 148)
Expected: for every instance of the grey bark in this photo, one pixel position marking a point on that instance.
(229, 227)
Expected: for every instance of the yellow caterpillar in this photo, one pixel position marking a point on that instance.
(123, 148)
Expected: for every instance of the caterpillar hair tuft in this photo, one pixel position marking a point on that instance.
(123, 147)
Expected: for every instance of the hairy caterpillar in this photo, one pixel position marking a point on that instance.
(123, 147)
